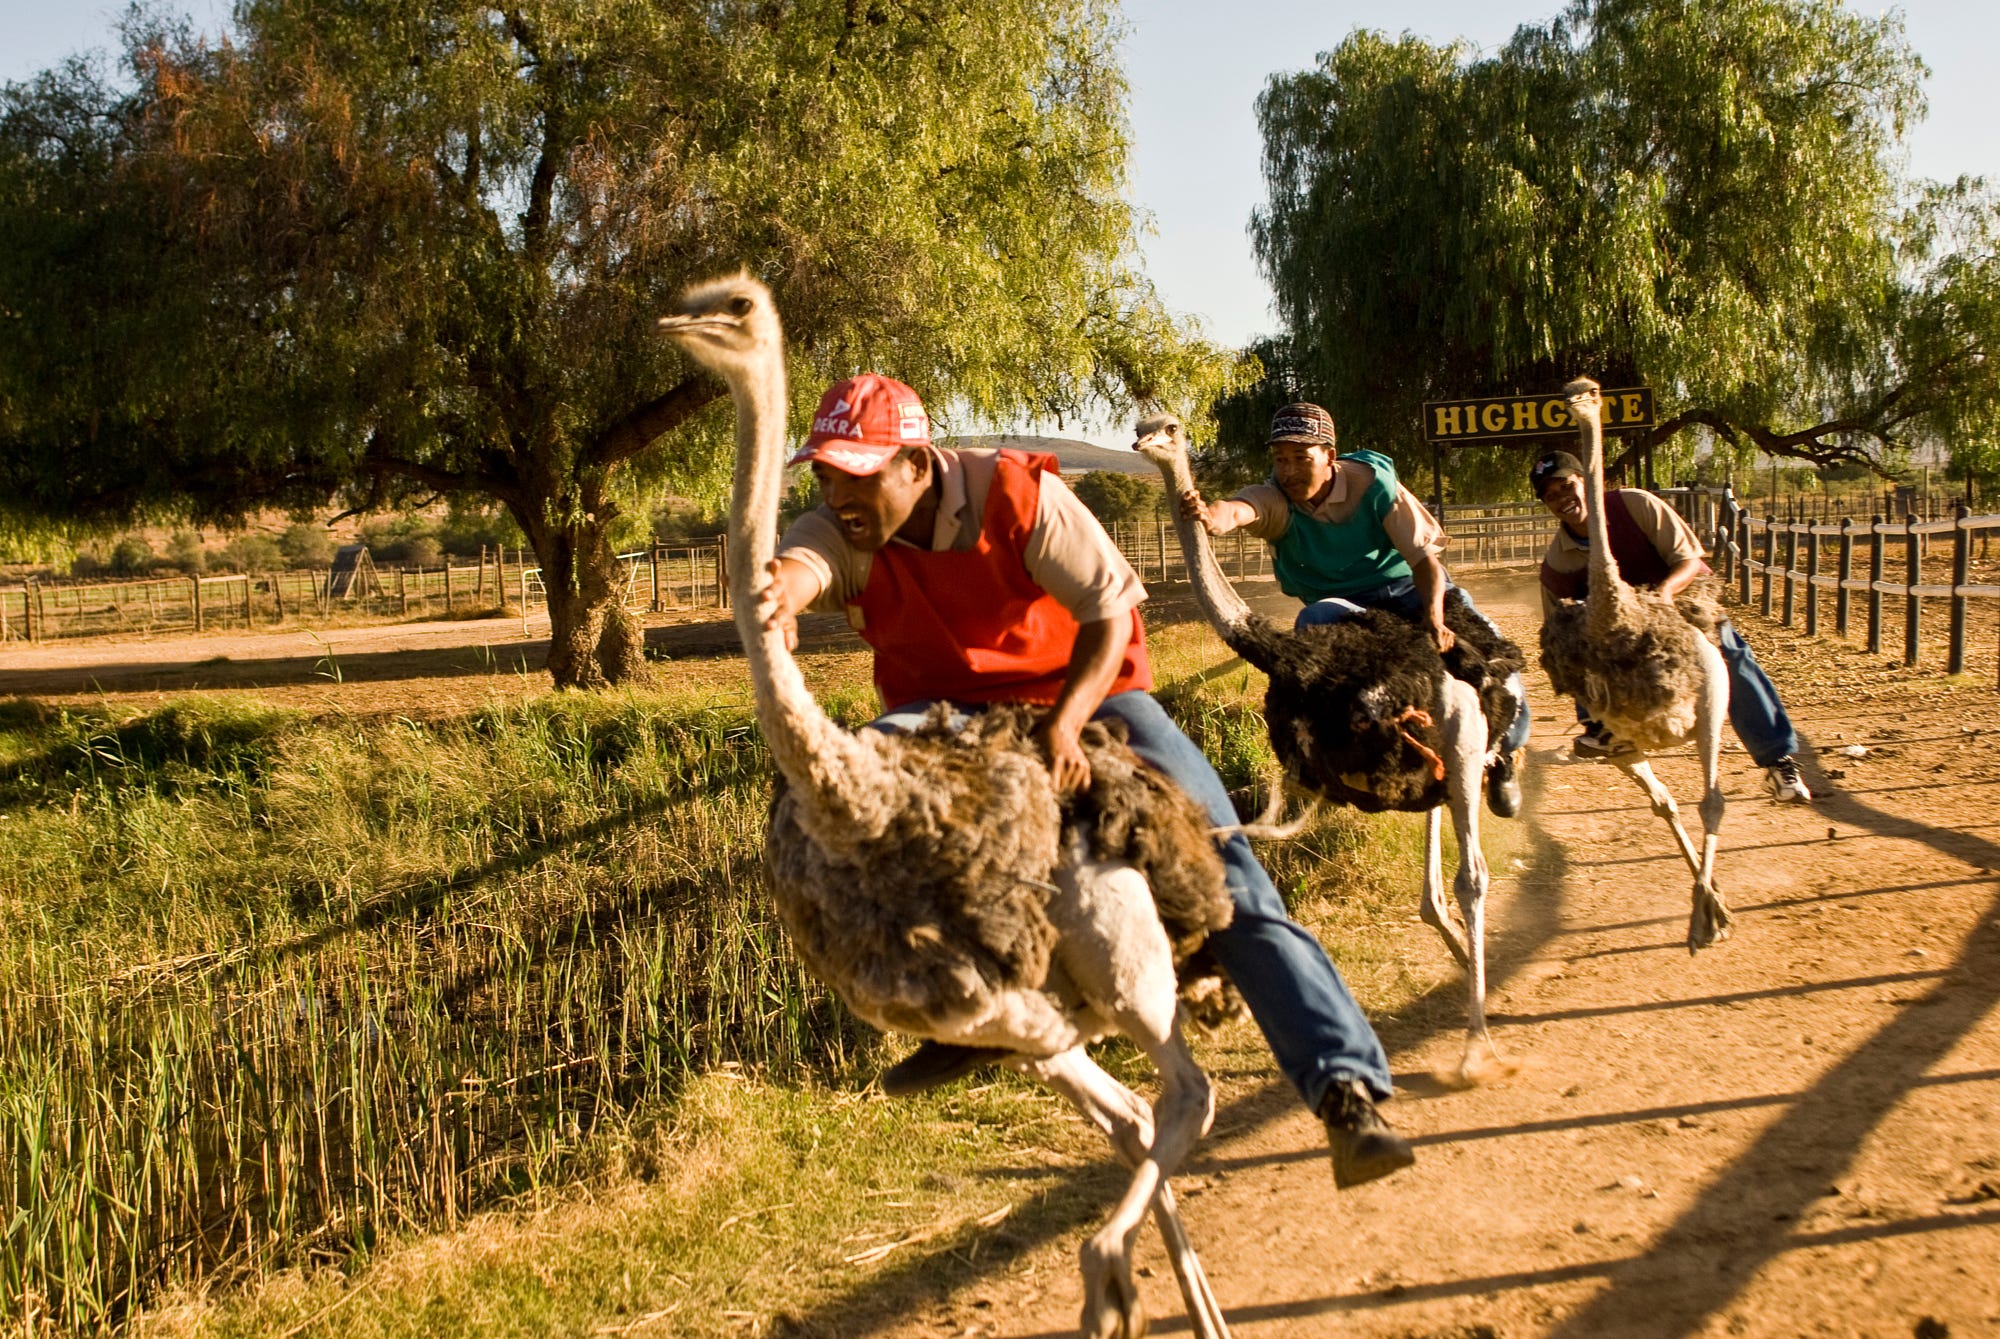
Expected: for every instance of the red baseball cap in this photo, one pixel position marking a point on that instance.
(862, 422)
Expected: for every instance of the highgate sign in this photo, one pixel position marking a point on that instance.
(1506, 417)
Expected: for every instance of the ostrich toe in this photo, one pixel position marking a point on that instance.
(1111, 1306)
(1449, 925)
(1711, 919)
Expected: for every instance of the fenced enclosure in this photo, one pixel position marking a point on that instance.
(691, 575)
(40, 609)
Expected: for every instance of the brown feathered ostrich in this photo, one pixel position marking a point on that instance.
(1365, 712)
(934, 882)
(1640, 665)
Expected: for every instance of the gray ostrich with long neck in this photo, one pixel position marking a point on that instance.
(934, 881)
(1640, 667)
(1364, 712)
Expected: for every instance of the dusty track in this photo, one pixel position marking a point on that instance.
(1796, 1133)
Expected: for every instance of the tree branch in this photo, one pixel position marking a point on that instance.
(638, 429)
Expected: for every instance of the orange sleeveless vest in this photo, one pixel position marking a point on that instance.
(972, 625)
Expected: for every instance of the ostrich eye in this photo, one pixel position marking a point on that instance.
(740, 306)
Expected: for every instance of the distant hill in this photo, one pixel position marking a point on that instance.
(1075, 457)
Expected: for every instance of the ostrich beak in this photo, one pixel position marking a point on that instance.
(696, 323)
(1158, 441)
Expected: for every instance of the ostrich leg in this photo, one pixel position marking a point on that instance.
(1111, 1299)
(1433, 909)
(1126, 977)
(1710, 919)
(1464, 729)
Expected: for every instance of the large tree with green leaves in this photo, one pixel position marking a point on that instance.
(1698, 194)
(390, 250)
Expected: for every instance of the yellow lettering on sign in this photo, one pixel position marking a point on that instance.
(1448, 421)
(1493, 418)
(1555, 413)
(1524, 415)
(1633, 406)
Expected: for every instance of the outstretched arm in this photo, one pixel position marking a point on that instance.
(1219, 517)
(1681, 577)
(1093, 668)
(790, 587)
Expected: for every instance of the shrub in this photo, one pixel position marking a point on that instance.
(306, 545)
(422, 551)
(251, 553)
(1119, 497)
(131, 554)
(185, 551)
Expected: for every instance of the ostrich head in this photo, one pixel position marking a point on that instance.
(1161, 439)
(1584, 401)
(727, 325)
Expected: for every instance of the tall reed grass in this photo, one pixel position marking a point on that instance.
(270, 985)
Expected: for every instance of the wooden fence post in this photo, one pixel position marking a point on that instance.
(278, 594)
(1743, 556)
(1812, 581)
(403, 589)
(1961, 572)
(722, 571)
(248, 582)
(1770, 560)
(1840, 600)
(1875, 538)
(656, 576)
(195, 581)
(1791, 566)
(447, 585)
(1913, 575)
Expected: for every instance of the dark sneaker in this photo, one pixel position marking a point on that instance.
(1597, 742)
(1787, 786)
(1503, 783)
(1364, 1147)
(934, 1063)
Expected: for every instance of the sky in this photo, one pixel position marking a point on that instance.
(1196, 67)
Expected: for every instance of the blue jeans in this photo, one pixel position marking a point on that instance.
(1314, 1027)
(1754, 709)
(1402, 597)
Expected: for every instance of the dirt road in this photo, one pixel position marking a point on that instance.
(1795, 1133)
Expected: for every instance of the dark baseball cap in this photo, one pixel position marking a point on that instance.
(1551, 467)
(1301, 422)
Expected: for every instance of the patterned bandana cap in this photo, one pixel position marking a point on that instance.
(862, 422)
(1551, 467)
(1302, 423)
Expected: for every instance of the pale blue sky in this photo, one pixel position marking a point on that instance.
(1197, 65)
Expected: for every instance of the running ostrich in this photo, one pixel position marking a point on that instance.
(1365, 712)
(935, 883)
(1643, 667)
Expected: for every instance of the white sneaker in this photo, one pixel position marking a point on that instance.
(1787, 786)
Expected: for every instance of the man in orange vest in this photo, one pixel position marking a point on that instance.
(977, 577)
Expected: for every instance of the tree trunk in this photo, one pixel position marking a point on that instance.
(579, 572)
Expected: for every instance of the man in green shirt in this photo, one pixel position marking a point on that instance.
(1346, 536)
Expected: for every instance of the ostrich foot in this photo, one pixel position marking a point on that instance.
(1711, 919)
(1448, 923)
(1111, 1306)
(1483, 1063)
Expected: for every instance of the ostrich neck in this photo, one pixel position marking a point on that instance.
(1608, 591)
(1225, 609)
(833, 774)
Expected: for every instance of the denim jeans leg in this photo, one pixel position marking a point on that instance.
(1322, 612)
(1312, 1023)
(1754, 709)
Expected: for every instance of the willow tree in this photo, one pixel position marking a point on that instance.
(1699, 194)
(387, 250)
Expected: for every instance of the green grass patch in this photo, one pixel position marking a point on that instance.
(484, 1024)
